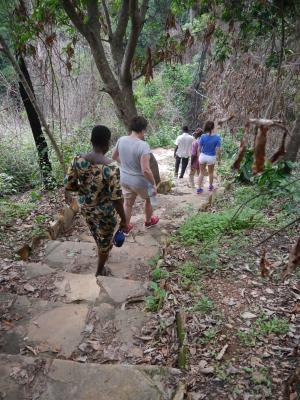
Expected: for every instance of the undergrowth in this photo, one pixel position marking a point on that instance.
(205, 227)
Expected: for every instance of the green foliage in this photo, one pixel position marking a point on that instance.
(222, 49)
(209, 335)
(263, 326)
(189, 273)
(159, 273)
(204, 305)
(206, 227)
(245, 173)
(7, 185)
(163, 103)
(10, 210)
(272, 175)
(154, 302)
(20, 165)
(153, 261)
(165, 137)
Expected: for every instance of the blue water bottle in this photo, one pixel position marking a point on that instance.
(119, 238)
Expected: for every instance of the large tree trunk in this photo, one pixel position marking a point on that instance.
(294, 143)
(114, 69)
(39, 139)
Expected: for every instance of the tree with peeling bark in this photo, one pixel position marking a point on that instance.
(95, 24)
(113, 31)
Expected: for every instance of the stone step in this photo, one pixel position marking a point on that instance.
(39, 326)
(113, 336)
(77, 287)
(81, 257)
(45, 379)
(121, 290)
(78, 257)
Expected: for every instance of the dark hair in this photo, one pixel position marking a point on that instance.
(209, 126)
(198, 132)
(100, 136)
(138, 124)
(185, 128)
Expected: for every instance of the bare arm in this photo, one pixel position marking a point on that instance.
(146, 170)
(176, 148)
(115, 154)
(118, 205)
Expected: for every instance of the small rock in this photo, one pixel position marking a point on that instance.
(207, 370)
(269, 291)
(82, 347)
(232, 370)
(248, 315)
(88, 328)
(29, 288)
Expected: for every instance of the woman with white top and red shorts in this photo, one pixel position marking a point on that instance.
(209, 150)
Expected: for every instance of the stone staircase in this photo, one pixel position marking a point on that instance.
(84, 344)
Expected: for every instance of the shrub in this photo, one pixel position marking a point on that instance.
(207, 226)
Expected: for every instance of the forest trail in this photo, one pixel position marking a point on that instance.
(86, 341)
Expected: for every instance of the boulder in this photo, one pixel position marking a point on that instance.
(154, 168)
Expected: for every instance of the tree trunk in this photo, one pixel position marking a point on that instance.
(39, 139)
(5, 49)
(294, 143)
(124, 103)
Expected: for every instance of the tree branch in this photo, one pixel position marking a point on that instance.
(91, 31)
(75, 17)
(137, 20)
(122, 22)
(107, 18)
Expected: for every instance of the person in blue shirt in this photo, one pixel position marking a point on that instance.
(209, 150)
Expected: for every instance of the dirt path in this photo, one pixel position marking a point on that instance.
(66, 336)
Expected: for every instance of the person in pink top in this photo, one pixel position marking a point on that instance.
(195, 167)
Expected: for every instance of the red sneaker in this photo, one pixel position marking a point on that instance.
(129, 229)
(153, 221)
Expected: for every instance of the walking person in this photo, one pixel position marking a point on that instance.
(195, 167)
(97, 182)
(137, 179)
(209, 150)
(182, 151)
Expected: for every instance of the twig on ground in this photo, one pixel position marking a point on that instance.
(276, 232)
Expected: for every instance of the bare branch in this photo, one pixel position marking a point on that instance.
(93, 15)
(107, 18)
(75, 17)
(136, 26)
(122, 22)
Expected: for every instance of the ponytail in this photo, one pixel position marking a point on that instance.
(209, 126)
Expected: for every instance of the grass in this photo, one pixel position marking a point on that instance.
(153, 261)
(10, 210)
(159, 273)
(209, 335)
(263, 327)
(204, 305)
(188, 273)
(155, 301)
(206, 227)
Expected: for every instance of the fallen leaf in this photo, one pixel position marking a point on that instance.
(24, 252)
(222, 352)
(265, 266)
(294, 260)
